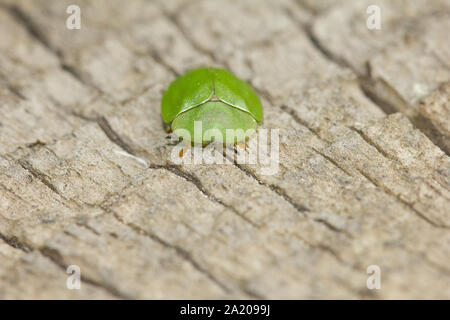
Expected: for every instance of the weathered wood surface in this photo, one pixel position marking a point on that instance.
(364, 169)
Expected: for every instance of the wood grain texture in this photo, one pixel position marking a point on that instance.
(86, 177)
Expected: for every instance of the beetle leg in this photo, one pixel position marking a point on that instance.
(241, 145)
(207, 143)
(173, 139)
(183, 151)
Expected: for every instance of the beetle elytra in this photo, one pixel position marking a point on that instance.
(218, 100)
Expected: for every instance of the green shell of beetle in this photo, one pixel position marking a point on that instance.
(215, 118)
(202, 85)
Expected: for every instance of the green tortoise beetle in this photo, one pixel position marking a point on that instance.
(215, 97)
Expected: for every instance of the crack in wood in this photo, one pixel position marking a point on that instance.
(33, 30)
(184, 254)
(158, 59)
(389, 102)
(373, 144)
(300, 121)
(332, 161)
(56, 257)
(197, 183)
(16, 243)
(324, 51)
(406, 203)
(173, 18)
(278, 190)
(430, 130)
(367, 86)
(113, 136)
(42, 177)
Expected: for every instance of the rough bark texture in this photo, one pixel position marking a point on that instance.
(364, 169)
